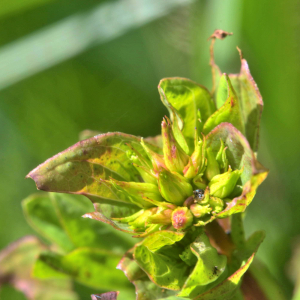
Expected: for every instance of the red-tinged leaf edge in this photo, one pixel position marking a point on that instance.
(244, 71)
(155, 140)
(253, 175)
(222, 288)
(144, 288)
(81, 168)
(81, 147)
(226, 289)
(105, 296)
(117, 225)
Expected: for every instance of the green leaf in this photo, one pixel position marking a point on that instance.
(92, 267)
(85, 232)
(229, 112)
(184, 99)
(222, 91)
(98, 216)
(137, 192)
(240, 203)
(227, 289)
(238, 151)
(162, 263)
(249, 98)
(209, 268)
(145, 289)
(237, 230)
(48, 266)
(240, 157)
(251, 245)
(57, 217)
(41, 215)
(16, 262)
(81, 169)
(251, 102)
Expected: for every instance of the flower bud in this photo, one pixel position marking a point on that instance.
(137, 191)
(182, 218)
(200, 210)
(216, 203)
(200, 182)
(212, 168)
(189, 170)
(221, 157)
(174, 187)
(141, 164)
(157, 160)
(175, 158)
(137, 158)
(197, 160)
(146, 174)
(222, 185)
(129, 218)
(140, 223)
(163, 217)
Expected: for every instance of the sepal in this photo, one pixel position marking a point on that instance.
(174, 187)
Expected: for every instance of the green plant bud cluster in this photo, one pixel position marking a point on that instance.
(167, 188)
(169, 196)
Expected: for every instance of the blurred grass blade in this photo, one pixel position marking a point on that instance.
(73, 35)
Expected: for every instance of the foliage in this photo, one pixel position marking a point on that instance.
(172, 190)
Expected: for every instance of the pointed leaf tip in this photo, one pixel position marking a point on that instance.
(84, 167)
(248, 95)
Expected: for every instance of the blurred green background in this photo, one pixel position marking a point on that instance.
(71, 65)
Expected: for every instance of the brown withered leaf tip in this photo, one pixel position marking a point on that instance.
(220, 34)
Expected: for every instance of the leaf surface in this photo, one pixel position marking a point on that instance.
(249, 98)
(227, 289)
(240, 156)
(58, 218)
(145, 288)
(40, 213)
(184, 99)
(98, 216)
(238, 151)
(209, 267)
(229, 112)
(83, 168)
(90, 266)
(16, 262)
(162, 263)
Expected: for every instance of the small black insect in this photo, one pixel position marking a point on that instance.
(215, 270)
(198, 194)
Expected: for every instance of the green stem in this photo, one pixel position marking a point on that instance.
(237, 230)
